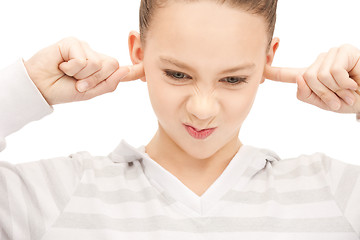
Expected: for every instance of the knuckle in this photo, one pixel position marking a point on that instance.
(94, 63)
(334, 49)
(343, 93)
(324, 75)
(84, 43)
(323, 95)
(81, 62)
(335, 70)
(299, 96)
(70, 39)
(322, 56)
(309, 75)
(327, 98)
(97, 77)
(303, 98)
(111, 89)
(346, 46)
(113, 63)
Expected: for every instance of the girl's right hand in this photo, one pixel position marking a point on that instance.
(62, 71)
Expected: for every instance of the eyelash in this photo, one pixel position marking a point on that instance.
(171, 75)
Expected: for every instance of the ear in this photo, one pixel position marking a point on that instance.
(135, 50)
(271, 54)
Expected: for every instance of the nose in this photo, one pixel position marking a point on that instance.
(202, 106)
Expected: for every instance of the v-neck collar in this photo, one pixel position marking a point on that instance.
(164, 181)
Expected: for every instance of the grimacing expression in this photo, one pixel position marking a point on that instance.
(203, 64)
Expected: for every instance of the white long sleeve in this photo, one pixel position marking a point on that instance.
(20, 101)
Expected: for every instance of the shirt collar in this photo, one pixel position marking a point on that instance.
(247, 157)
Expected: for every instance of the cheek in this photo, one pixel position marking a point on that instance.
(166, 100)
(237, 105)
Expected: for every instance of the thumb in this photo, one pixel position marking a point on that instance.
(136, 72)
(287, 75)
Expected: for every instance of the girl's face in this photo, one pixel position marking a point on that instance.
(203, 64)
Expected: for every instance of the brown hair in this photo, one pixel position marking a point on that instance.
(264, 8)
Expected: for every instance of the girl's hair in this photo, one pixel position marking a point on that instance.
(264, 8)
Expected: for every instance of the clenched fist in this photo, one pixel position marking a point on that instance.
(70, 71)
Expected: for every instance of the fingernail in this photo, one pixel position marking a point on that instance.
(83, 86)
(334, 105)
(349, 101)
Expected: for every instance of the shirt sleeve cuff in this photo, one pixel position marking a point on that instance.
(20, 100)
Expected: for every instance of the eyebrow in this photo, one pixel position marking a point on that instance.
(185, 66)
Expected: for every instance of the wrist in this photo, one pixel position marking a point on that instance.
(31, 72)
(20, 100)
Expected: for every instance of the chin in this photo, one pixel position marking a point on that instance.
(201, 151)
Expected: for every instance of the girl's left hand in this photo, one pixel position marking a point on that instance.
(331, 82)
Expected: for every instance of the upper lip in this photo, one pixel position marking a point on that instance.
(198, 129)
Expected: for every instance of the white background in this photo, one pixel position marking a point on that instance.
(278, 121)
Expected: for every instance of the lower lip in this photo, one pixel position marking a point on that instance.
(199, 134)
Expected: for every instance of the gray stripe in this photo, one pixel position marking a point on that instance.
(300, 171)
(129, 172)
(35, 217)
(120, 196)
(55, 185)
(202, 225)
(296, 197)
(346, 185)
(6, 231)
(114, 171)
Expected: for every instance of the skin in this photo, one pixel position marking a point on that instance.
(202, 98)
(227, 37)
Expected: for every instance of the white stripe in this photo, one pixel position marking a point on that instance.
(154, 208)
(114, 183)
(336, 172)
(284, 166)
(73, 234)
(17, 207)
(127, 209)
(33, 172)
(352, 211)
(274, 209)
(286, 185)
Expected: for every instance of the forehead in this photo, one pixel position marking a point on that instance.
(206, 28)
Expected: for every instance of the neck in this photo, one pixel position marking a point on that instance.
(196, 174)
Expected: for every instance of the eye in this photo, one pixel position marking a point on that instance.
(176, 75)
(234, 80)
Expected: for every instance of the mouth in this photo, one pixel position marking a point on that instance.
(199, 134)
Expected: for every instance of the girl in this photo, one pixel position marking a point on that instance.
(203, 62)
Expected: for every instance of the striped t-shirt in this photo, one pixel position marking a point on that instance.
(127, 195)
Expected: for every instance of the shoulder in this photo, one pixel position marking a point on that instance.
(72, 165)
(314, 169)
(315, 161)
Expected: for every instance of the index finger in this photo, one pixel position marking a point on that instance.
(136, 72)
(287, 75)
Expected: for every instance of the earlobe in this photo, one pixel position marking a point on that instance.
(135, 49)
